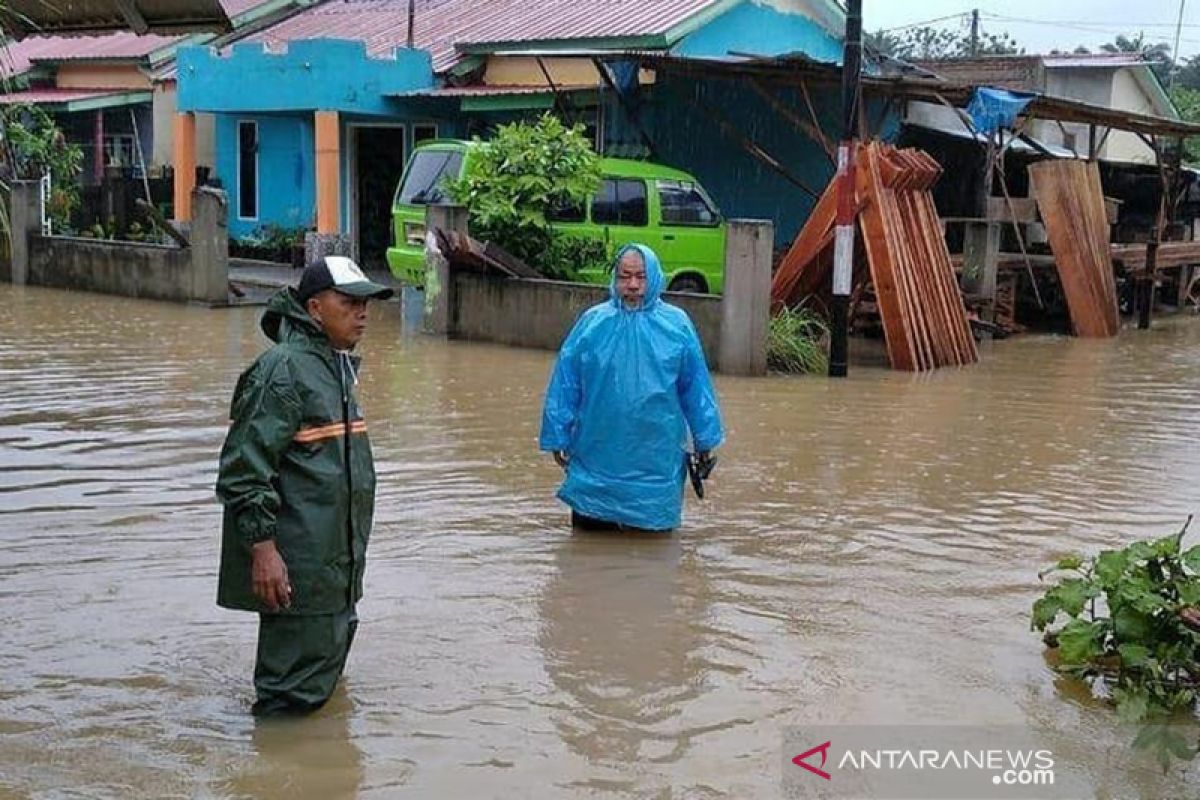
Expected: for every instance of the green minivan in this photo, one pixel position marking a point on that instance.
(638, 201)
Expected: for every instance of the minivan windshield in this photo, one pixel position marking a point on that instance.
(423, 181)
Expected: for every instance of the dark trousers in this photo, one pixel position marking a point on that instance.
(300, 659)
(583, 522)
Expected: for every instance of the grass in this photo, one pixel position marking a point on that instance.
(796, 342)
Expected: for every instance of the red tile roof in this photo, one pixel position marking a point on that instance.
(439, 25)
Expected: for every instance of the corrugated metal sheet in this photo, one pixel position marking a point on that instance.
(440, 25)
(51, 96)
(28, 17)
(493, 90)
(18, 57)
(1095, 60)
(1021, 73)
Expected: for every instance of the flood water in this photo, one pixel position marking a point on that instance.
(868, 554)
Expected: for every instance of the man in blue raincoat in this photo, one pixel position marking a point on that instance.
(629, 384)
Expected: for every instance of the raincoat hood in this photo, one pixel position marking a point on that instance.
(655, 279)
(285, 316)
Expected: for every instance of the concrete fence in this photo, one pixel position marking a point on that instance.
(539, 313)
(198, 273)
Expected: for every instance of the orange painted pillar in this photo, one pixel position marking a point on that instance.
(185, 164)
(328, 172)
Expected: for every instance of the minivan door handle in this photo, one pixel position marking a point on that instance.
(668, 237)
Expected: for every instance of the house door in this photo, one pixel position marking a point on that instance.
(379, 155)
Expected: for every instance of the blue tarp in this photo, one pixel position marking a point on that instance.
(992, 109)
(627, 387)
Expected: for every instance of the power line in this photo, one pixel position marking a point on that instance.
(1101, 29)
(924, 23)
(1122, 25)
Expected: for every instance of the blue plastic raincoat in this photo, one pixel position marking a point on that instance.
(627, 387)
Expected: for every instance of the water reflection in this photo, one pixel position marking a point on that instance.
(868, 553)
(312, 758)
(619, 634)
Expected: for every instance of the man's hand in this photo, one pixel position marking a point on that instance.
(270, 576)
(562, 458)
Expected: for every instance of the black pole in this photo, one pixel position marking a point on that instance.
(412, 12)
(843, 251)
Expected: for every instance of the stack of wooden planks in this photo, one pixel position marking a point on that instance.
(920, 305)
(1071, 203)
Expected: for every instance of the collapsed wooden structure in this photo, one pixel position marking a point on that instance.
(924, 321)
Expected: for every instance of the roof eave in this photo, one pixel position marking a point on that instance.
(647, 42)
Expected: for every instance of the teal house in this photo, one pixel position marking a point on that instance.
(315, 116)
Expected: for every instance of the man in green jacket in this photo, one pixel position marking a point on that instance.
(298, 484)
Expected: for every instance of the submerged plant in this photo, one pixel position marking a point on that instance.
(1131, 619)
(796, 341)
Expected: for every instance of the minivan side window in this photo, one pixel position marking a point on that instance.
(620, 202)
(564, 211)
(683, 204)
(423, 182)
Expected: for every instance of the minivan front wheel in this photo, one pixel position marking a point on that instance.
(688, 283)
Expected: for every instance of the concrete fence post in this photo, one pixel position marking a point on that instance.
(439, 285)
(746, 304)
(210, 246)
(25, 220)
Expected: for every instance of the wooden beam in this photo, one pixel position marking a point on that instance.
(129, 11)
(806, 128)
(748, 144)
(629, 110)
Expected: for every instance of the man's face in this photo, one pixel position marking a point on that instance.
(343, 318)
(631, 279)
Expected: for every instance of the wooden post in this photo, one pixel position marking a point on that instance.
(328, 147)
(185, 165)
(98, 147)
(981, 243)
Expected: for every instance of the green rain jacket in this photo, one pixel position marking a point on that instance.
(297, 467)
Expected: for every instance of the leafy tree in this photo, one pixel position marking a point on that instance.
(1187, 73)
(1157, 53)
(927, 43)
(33, 145)
(1187, 102)
(517, 180)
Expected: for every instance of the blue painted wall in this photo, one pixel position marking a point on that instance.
(752, 27)
(676, 115)
(317, 74)
(286, 183)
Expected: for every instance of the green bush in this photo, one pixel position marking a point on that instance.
(34, 145)
(796, 342)
(1131, 618)
(515, 180)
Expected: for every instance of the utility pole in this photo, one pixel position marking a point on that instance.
(974, 32)
(847, 208)
(1175, 49)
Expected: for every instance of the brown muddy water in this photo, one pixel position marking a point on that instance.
(868, 554)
